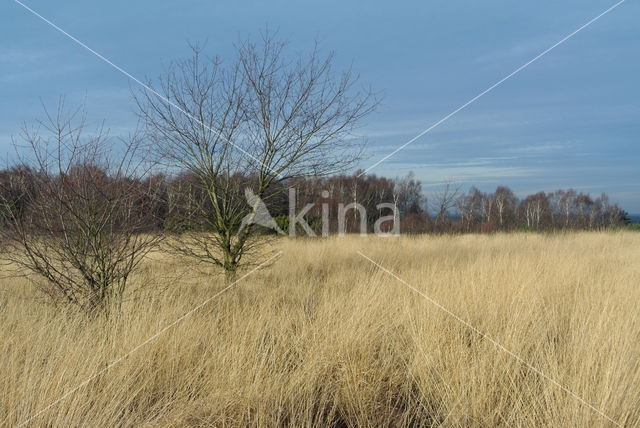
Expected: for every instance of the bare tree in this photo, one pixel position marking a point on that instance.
(567, 203)
(256, 122)
(83, 222)
(583, 206)
(444, 200)
(470, 208)
(407, 194)
(506, 202)
(535, 208)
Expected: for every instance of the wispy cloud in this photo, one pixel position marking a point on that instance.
(521, 49)
(21, 57)
(542, 148)
(23, 65)
(466, 173)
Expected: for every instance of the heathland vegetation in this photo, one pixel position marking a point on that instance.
(322, 337)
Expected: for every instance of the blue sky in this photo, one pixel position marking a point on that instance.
(571, 119)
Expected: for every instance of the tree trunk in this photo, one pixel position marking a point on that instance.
(230, 273)
(230, 265)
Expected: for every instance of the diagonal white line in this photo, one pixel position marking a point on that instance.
(148, 340)
(145, 86)
(493, 341)
(490, 88)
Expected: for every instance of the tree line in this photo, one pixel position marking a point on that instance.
(171, 203)
(450, 210)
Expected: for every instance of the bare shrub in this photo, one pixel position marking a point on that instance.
(79, 217)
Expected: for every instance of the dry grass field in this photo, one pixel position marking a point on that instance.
(322, 337)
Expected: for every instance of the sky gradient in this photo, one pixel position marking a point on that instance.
(571, 119)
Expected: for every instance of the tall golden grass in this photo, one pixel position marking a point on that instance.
(323, 337)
